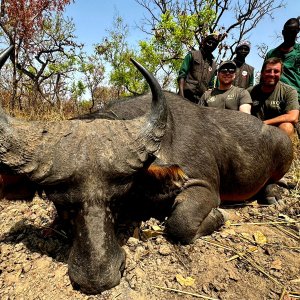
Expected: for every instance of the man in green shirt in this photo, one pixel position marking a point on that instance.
(198, 69)
(226, 95)
(289, 53)
(275, 102)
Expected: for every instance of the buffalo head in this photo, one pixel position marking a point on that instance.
(86, 166)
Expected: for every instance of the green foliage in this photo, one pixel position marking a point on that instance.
(77, 90)
(162, 54)
(115, 50)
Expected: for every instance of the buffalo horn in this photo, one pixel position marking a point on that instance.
(5, 55)
(151, 132)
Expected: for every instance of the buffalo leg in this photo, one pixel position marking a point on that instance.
(194, 214)
(270, 194)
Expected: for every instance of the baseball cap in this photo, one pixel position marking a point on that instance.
(244, 43)
(214, 35)
(227, 64)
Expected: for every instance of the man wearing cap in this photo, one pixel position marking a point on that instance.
(289, 53)
(275, 102)
(198, 69)
(226, 95)
(244, 76)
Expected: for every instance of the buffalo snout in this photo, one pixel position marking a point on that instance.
(96, 260)
(97, 276)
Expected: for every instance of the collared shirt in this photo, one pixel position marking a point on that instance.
(232, 98)
(266, 106)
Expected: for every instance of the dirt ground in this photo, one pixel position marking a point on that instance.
(255, 256)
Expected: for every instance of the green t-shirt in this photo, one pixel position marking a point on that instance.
(283, 99)
(291, 66)
(232, 98)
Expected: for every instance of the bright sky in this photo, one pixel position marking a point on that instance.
(93, 17)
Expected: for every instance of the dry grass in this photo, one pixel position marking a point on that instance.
(294, 173)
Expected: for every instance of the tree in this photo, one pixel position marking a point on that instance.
(116, 52)
(93, 70)
(53, 59)
(177, 26)
(20, 20)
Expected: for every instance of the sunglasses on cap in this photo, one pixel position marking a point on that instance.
(224, 71)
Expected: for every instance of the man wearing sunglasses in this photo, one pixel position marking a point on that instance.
(226, 95)
(275, 102)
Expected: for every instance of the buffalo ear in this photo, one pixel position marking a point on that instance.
(5, 55)
(167, 174)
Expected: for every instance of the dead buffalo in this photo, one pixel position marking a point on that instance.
(188, 156)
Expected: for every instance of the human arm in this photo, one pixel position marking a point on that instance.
(245, 102)
(290, 117)
(181, 82)
(291, 114)
(246, 108)
(183, 72)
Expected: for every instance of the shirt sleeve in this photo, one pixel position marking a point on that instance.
(185, 66)
(245, 97)
(291, 99)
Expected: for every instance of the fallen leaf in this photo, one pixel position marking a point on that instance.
(276, 264)
(228, 223)
(252, 249)
(136, 233)
(188, 281)
(156, 228)
(260, 238)
(148, 233)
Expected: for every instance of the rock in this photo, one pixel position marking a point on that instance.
(132, 242)
(164, 250)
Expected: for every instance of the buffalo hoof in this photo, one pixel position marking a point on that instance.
(269, 195)
(212, 222)
(268, 201)
(215, 219)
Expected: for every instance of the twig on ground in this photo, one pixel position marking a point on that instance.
(287, 232)
(248, 259)
(264, 223)
(183, 292)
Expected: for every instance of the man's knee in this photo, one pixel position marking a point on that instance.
(288, 128)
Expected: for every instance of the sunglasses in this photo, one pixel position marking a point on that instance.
(230, 71)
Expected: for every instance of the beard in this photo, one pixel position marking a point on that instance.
(270, 83)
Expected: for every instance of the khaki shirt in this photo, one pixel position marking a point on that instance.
(283, 99)
(232, 98)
